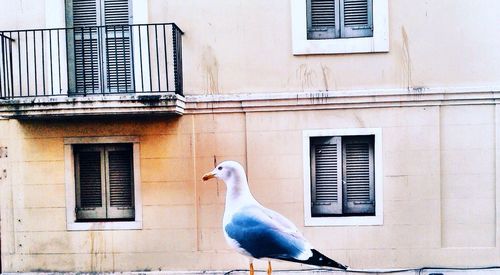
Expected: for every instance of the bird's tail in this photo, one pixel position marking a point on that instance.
(319, 259)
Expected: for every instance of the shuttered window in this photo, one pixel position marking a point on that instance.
(342, 176)
(99, 57)
(104, 182)
(328, 19)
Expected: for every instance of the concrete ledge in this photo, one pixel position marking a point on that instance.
(327, 100)
(95, 105)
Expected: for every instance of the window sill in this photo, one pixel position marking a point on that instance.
(340, 46)
(111, 225)
(343, 221)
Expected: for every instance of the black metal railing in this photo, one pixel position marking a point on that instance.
(90, 60)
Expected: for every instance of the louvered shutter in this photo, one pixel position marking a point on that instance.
(323, 21)
(90, 192)
(358, 175)
(85, 49)
(120, 182)
(326, 176)
(116, 17)
(356, 18)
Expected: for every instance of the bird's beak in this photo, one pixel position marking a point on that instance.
(208, 176)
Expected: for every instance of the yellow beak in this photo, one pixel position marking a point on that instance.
(208, 176)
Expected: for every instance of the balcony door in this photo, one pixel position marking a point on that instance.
(99, 46)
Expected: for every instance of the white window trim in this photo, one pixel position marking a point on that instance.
(378, 43)
(378, 219)
(69, 173)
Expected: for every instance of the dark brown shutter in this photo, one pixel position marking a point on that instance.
(90, 193)
(120, 182)
(118, 60)
(358, 175)
(356, 18)
(322, 19)
(85, 49)
(326, 175)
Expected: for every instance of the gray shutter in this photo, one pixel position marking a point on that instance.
(120, 182)
(118, 51)
(326, 175)
(86, 45)
(323, 20)
(358, 175)
(357, 18)
(89, 176)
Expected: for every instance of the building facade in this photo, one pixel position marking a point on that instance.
(372, 125)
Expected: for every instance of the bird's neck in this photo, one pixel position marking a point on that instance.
(239, 195)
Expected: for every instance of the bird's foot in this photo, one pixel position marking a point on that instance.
(252, 271)
(269, 268)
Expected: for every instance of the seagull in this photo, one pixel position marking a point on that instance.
(258, 232)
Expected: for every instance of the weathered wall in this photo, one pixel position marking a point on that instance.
(249, 49)
(439, 198)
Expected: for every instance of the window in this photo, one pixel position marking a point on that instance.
(99, 57)
(343, 177)
(327, 19)
(339, 26)
(104, 182)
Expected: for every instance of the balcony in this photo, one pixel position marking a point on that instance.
(88, 71)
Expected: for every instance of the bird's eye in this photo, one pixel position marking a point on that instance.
(220, 168)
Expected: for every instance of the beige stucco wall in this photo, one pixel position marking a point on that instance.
(246, 46)
(440, 190)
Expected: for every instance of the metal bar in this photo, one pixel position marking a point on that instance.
(51, 66)
(34, 56)
(140, 59)
(149, 61)
(157, 59)
(6, 37)
(107, 60)
(125, 61)
(84, 70)
(117, 79)
(19, 65)
(11, 68)
(132, 78)
(27, 64)
(59, 60)
(166, 55)
(92, 59)
(147, 24)
(2, 75)
(100, 51)
(43, 64)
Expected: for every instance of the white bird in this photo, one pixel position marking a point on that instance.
(258, 232)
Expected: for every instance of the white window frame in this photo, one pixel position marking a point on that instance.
(69, 162)
(378, 219)
(378, 43)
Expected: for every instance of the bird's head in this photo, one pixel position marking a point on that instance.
(228, 171)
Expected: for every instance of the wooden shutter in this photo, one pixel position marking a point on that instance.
(358, 175)
(118, 61)
(323, 20)
(357, 18)
(326, 176)
(120, 182)
(85, 47)
(90, 192)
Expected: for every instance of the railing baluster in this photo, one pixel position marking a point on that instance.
(19, 63)
(92, 59)
(59, 60)
(124, 59)
(34, 56)
(43, 63)
(140, 58)
(51, 68)
(132, 64)
(11, 67)
(2, 72)
(27, 64)
(165, 52)
(157, 58)
(117, 73)
(149, 61)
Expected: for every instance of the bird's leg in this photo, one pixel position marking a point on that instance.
(252, 271)
(269, 268)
